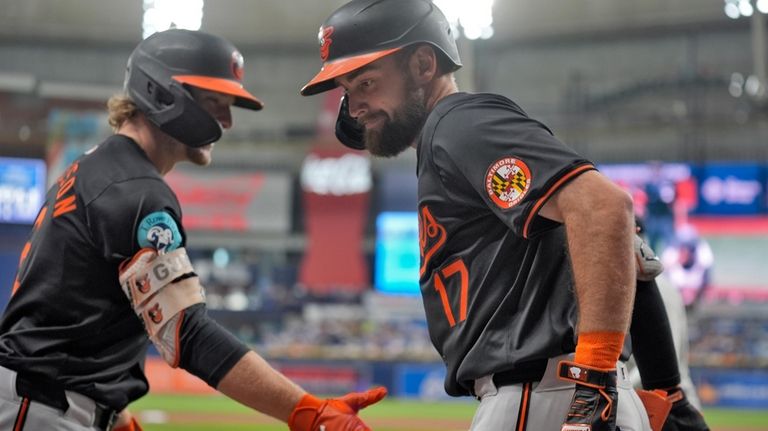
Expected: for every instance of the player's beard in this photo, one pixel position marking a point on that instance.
(399, 132)
(200, 156)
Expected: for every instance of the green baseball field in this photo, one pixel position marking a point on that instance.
(215, 412)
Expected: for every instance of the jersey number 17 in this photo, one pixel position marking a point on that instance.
(456, 268)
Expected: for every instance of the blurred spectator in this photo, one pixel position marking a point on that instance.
(357, 338)
(736, 341)
(660, 194)
(686, 199)
(688, 264)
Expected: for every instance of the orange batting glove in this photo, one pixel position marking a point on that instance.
(133, 425)
(336, 414)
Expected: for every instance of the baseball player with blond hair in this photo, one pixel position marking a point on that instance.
(106, 271)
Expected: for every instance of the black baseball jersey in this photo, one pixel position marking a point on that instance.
(68, 319)
(495, 277)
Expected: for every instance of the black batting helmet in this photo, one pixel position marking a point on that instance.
(363, 31)
(163, 64)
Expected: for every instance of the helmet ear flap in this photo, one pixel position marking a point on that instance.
(348, 131)
(173, 109)
(185, 120)
(161, 96)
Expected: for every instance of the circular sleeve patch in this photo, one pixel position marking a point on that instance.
(159, 231)
(507, 182)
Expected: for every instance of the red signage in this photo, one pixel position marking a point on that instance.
(216, 202)
(336, 184)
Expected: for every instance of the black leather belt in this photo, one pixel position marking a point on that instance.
(104, 418)
(51, 393)
(524, 372)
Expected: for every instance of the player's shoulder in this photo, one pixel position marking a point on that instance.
(462, 117)
(117, 160)
(463, 109)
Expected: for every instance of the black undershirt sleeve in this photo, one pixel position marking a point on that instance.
(208, 351)
(652, 343)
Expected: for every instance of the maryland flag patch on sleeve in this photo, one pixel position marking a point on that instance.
(507, 182)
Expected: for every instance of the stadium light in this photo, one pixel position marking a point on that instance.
(735, 9)
(162, 15)
(732, 9)
(472, 19)
(754, 85)
(736, 87)
(745, 8)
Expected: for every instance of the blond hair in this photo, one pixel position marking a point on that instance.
(120, 108)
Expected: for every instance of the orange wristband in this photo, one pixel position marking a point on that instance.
(305, 412)
(599, 349)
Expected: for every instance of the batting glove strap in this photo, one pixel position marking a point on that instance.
(593, 407)
(585, 375)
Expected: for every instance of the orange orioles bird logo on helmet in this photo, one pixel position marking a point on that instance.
(324, 37)
(237, 65)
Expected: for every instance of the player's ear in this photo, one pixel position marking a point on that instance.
(423, 64)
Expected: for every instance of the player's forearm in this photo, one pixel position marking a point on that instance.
(652, 343)
(254, 383)
(600, 229)
(601, 254)
(213, 354)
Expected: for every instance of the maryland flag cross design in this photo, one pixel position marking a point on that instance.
(507, 182)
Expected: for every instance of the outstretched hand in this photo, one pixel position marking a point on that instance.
(335, 414)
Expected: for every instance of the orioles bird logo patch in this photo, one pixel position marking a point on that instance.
(324, 38)
(507, 182)
(143, 284)
(575, 372)
(155, 314)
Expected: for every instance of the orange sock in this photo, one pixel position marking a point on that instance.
(599, 349)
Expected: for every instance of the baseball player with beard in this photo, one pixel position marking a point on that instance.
(527, 264)
(527, 270)
(105, 269)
